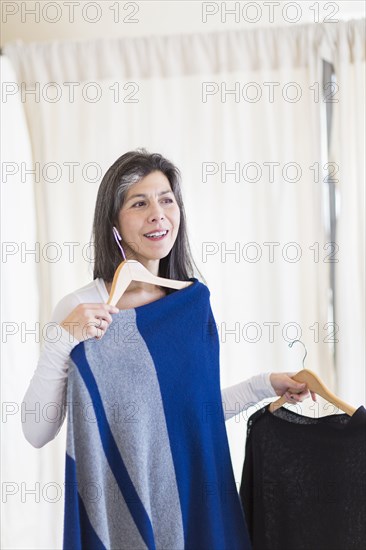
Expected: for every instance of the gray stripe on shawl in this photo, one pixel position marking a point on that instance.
(107, 512)
(125, 373)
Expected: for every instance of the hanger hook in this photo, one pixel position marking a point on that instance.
(118, 238)
(303, 359)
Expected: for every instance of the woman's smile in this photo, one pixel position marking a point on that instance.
(156, 235)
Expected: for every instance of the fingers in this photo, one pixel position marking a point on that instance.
(297, 394)
(103, 319)
(101, 325)
(297, 397)
(89, 320)
(99, 318)
(104, 312)
(294, 396)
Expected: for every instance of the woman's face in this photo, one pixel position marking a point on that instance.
(154, 209)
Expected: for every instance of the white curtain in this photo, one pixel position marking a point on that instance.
(259, 235)
(344, 47)
(29, 477)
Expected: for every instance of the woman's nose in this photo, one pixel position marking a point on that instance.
(156, 213)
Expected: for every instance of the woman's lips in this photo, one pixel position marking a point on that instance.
(159, 238)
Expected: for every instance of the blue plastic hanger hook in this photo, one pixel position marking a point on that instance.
(292, 343)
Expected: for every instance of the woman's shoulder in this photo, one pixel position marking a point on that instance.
(89, 293)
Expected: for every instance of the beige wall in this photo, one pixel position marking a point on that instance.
(155, 17)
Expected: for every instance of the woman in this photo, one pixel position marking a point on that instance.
(159, 466)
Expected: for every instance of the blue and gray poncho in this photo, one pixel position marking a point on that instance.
(147, 462)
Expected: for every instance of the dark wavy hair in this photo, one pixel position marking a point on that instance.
(125, 172)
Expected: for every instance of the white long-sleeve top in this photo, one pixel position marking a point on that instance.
(44, 404)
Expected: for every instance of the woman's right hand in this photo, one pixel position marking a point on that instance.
(89, 320)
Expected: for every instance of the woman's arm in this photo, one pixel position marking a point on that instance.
(268, 384)
(44, 403)
(240, 396)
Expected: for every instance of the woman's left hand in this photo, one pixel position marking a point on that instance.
(293, 391)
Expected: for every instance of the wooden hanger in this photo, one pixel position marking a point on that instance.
(132, 270)
(314, 384)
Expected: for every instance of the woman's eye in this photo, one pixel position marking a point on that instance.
(143, 202)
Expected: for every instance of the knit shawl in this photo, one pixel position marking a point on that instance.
(147, 460)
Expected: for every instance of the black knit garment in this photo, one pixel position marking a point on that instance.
(303, 483)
